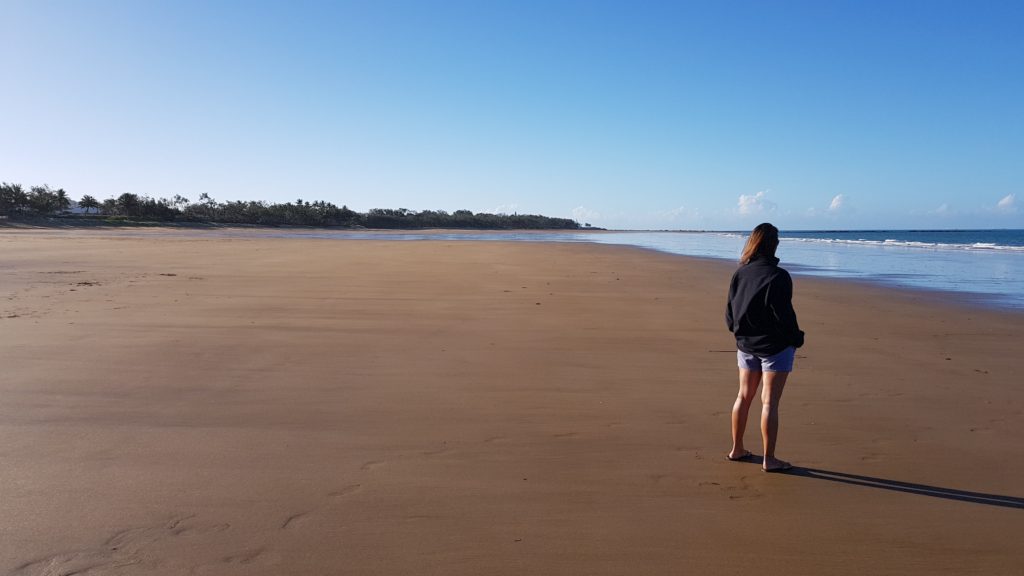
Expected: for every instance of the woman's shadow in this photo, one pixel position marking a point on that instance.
(897, 486)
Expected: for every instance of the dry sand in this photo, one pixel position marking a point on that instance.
(176, 404)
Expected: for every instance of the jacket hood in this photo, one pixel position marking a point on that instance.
(770, 260)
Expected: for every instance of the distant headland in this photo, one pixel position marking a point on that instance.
(55, 206)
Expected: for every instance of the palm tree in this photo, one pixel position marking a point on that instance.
(88, 202)
(61, 199)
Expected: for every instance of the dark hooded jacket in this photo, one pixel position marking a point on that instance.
(760, 308)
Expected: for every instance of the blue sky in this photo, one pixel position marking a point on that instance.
(653, 115)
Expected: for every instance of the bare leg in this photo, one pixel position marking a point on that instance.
(771, 396)
(749, 382)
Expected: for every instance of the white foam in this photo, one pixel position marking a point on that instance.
(976, 246)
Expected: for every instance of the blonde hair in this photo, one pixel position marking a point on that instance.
(763, 241)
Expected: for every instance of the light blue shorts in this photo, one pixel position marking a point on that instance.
(781, 362)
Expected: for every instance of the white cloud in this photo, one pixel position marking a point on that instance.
(838, 204)
(584, 214)
(943, 209)
(507, 209)
(676, 213)
(1008, 204)
(755, 204)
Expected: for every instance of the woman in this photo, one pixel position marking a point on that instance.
(760, 314)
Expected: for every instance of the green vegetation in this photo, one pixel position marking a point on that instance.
(43, 201)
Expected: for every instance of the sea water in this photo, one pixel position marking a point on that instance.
(985, 266)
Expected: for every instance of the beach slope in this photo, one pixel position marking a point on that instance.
(179, 404)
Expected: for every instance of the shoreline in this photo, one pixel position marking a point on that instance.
(964, 299)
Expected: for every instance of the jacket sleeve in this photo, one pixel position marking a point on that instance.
(728, 304)
(780, 301)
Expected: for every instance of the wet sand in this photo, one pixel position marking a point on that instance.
(179, 404)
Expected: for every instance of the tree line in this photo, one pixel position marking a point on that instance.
(43, 201)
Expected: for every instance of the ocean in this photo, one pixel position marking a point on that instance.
(981, 266)
(984, 266)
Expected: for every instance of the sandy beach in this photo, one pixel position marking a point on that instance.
(178, 404)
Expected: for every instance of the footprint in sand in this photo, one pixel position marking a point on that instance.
(371, 465)
(345, 491)
(295, 520)
(200, 530)
(743, 491)
(125, 548)
(243, 557)
(70, 563)
(139, 537)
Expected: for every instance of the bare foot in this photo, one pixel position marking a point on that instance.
(738, 456)
(775, 465)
